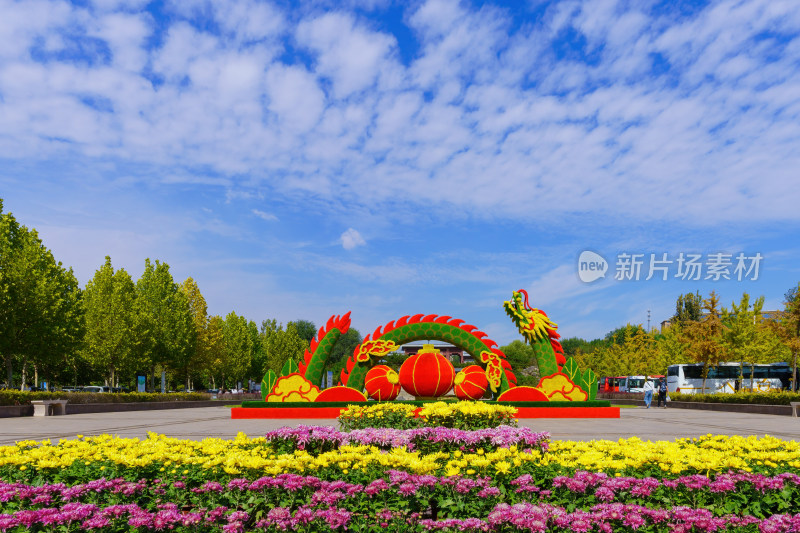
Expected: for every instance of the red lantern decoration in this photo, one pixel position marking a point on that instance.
(427, 374)
(382, 383)
(471, 383)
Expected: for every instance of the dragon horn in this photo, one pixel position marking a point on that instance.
(527, 305)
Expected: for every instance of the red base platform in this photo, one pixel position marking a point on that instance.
(276, 413)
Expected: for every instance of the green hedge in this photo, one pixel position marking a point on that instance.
(15, 397)
(766, 398)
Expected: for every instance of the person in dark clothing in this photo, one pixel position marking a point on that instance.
(662, 392)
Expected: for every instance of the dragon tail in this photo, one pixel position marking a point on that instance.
(341, 323)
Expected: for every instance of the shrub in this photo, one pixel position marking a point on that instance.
(456, 415)
(15, 397)
(763, 398)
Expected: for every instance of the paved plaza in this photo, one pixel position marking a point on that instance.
(199, 423)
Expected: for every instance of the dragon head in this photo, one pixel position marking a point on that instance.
(532, 324)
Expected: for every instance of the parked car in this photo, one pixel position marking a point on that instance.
(96, 389)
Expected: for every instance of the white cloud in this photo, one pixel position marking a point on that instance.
(351, 239)
(351, 56)
(125, 35)
(482, 119)
(295, 96)
(114, 5)
(269, 217)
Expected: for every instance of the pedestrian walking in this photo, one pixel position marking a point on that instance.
(649, 387)
(662, 392)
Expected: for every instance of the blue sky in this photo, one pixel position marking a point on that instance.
(304, 159)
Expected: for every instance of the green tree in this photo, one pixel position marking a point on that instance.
(393, 360)
(787, 327)
(305, 329)
(742, 332)
(280, 345)
(215, 349)
(574, 345)
(164, 321)
(523, 362)
(257, 353)
(619, 335)
(704, 338)
(239, 345)
(688, 308)
(671, 350)
(60, 342)
(261, 362)
(41, 313)
(110, 340)
(199, 313)
(631, 351)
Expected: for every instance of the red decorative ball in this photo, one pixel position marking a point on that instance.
(523, 394)
(382, 383)
(471, 383)
(341, 394)
(427, 374)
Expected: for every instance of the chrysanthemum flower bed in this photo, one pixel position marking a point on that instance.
(498, 479)
(458, 415)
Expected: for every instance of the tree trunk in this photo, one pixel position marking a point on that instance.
(705, 375)
(794, 373)
(9, 373)
(36, 376)
(24, 376)
(741, 376)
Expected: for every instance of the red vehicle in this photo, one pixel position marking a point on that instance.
(609, 384)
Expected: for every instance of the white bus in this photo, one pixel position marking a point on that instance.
(636, 383)
(632, 384)
(724, 378)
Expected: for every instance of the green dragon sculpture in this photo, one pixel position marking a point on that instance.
(540, 332)
(533, 324)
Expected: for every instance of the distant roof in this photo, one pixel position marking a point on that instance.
(434, 342)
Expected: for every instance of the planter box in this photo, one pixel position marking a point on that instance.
(277, 410)
(11, 411)
(754, 408)
(82, 408)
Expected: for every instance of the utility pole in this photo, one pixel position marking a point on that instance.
(648, 321)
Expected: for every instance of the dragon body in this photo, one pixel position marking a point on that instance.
(390, 337)
(419, 327)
